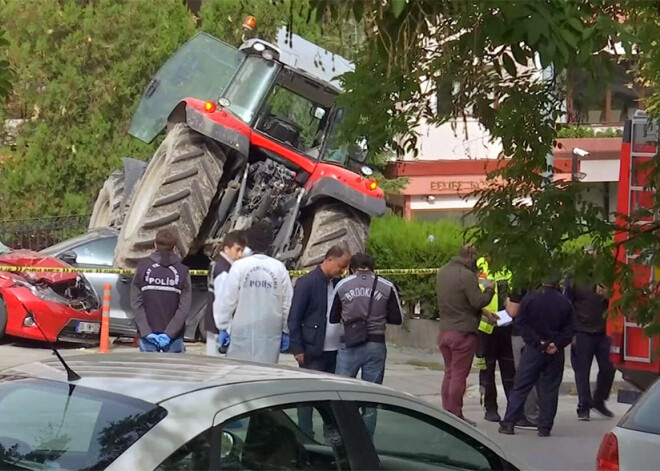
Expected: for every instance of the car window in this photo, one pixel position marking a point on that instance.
(406, 439)
(295, 437)
(644, 416)
(70, 243)
(96, 252)
(53, 425)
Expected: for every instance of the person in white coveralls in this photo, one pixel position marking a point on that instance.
(255, 303)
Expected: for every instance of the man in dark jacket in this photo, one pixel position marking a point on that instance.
(590, 304)
(313, 340)
(352, 298)
(461, 302)
(232, 249)
(546, 323)
(160, 297)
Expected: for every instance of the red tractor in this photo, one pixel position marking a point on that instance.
(252, 135)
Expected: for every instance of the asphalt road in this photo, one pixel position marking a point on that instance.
(572, 446)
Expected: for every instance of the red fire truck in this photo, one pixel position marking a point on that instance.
(632, 352)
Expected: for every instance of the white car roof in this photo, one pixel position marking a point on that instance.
(158, 377)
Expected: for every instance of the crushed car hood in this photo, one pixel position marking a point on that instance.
(28, 258)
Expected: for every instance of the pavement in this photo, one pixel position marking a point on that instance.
(572, 446)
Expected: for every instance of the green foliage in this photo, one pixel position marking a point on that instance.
(398, 243)
(584, 131)
(82, 65)
(5, 71)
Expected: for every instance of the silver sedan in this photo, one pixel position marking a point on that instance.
(186, 412)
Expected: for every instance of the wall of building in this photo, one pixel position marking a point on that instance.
(449, 141)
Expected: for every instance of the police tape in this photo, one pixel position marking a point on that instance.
(131, 271)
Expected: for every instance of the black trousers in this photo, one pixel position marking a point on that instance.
(585, 347)
(326, 362)
(548, 370)
(496, 349)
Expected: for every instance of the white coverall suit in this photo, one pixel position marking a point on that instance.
(257, 293)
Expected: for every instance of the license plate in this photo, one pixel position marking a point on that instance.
(88, 328)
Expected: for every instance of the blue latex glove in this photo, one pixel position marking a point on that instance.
(164, 340)
(223, 338)
(284, 344)
(153, 338)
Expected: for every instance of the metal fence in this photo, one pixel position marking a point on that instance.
(39, 233)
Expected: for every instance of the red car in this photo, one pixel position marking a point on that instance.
(63, 305)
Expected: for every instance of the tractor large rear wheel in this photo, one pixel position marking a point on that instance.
(333, 223)
(175, 192)
(109, 207)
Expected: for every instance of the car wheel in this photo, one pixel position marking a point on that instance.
(3, 317)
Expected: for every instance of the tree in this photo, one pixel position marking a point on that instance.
(484, 57)
(5, 71)
(82, 66)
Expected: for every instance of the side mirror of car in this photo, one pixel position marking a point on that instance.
(69, 257)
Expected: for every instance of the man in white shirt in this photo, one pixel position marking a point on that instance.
(233, 246)
(255, 302)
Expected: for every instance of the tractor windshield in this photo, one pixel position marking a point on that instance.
(296, 113)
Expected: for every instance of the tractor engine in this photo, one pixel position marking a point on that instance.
(269, 192)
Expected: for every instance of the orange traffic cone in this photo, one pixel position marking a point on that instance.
(105, 320)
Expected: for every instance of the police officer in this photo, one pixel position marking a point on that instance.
(546, 323)
(160, 297)
(232, 249)
(255, 302)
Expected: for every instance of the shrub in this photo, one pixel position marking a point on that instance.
(398, 243)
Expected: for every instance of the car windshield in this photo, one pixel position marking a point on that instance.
(63, 246)
(54, 425)
(644, 416)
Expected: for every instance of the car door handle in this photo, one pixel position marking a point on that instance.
(125, 279)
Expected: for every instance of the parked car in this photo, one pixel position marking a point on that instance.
(47, 306)
(96, 249)
(634, 444)
(179, 412)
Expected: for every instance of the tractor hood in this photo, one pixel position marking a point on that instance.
(28, 258)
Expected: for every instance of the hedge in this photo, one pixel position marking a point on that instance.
(400, 243)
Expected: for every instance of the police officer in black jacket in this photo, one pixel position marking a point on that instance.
(546, 323)
(160, 297)
(314, 341)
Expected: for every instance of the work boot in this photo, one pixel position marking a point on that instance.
(583, 415)
(526, 424)
(543, 433)
(506, 429)
(602, 410)
(492, 416)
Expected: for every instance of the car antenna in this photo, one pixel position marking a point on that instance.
(70, 374)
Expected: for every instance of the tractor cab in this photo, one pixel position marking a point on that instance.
(285, 92)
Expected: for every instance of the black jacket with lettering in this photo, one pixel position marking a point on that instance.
(351, 301)
(160, 295)
(218, 267)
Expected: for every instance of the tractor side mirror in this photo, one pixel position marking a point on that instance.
(357, 154)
